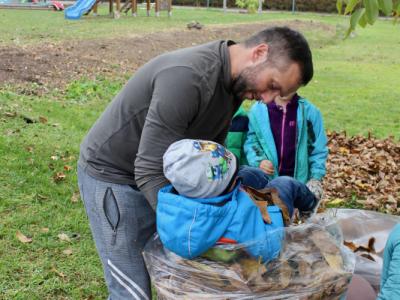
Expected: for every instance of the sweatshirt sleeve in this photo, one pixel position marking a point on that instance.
(317, 147)
(174, 105)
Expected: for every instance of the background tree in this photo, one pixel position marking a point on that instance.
(364, 12)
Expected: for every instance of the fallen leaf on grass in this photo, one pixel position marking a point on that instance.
(10, 114)
(68, 158)
(59, 176)
(23, 238)
(75, 197)
(67, 251)
(29, 149)
(336, 201)
(64, 237)
(54, 157)
(42, 120)
(44, 230)
(41, 197)
(61, 274)
(67, 168)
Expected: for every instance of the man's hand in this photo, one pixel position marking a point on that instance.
(267, 166)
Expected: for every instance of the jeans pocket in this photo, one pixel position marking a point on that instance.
(111, 211)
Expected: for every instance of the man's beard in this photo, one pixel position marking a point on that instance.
(244, 82)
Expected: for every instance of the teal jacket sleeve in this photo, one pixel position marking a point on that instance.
(317, 143)
(390, 280)
(252, 148)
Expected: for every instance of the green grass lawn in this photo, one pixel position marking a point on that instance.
(356, 85)
(26, 27)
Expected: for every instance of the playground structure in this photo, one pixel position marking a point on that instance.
(32, 4)
(84, 7)
(158, 5)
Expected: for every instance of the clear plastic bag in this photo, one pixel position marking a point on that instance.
(311, 265)
(360, 226)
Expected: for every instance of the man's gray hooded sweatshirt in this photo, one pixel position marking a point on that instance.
(181, 94)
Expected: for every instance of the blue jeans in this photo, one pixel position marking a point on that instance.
(294, 193)
(121, 221)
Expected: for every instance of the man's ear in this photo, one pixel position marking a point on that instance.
(260, 53)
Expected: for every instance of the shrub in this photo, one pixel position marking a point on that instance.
(250, 5)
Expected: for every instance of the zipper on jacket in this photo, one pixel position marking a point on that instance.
(282, 137)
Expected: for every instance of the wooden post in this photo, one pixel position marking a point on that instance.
(116, 14)
(111, 7)
(95, 9)
(260, 6)
(169, 8)
(148, 7)
(157, 7)
(134, 8)
(224, 6)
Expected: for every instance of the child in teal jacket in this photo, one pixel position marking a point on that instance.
(360, 289)
(390, 279)
(287, 138)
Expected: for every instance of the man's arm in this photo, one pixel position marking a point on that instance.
(175, 104)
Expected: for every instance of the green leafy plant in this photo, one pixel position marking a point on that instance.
(364, 12)
(250, 5)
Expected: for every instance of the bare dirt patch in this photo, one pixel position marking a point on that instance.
(54, 65)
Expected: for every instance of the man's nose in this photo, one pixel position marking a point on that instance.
(269, 96)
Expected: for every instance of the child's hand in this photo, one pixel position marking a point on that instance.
(267, 166)
(315, 186)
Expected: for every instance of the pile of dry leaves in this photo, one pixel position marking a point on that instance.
(365, 169)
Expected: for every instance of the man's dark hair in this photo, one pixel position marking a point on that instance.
(285, 43)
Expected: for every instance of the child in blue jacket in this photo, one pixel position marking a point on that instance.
(211, 198)
(287, 138)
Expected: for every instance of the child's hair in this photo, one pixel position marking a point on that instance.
(199, 169)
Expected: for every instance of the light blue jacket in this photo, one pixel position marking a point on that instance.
(190, 226)
(311, 145)
(390, 279)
